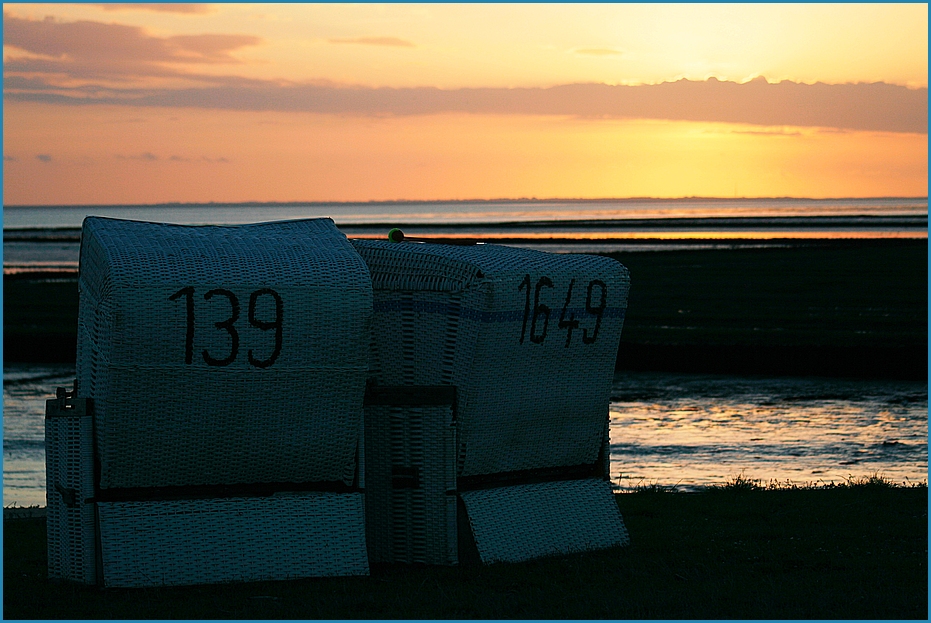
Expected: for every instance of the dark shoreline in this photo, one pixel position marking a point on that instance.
(842, 223)
(877, 362)
(851, 308)
(863, 362)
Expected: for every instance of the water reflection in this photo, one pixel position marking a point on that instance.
(25, 390)
(696, 430)
(668, 429)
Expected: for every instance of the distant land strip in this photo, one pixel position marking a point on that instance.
(506, 200)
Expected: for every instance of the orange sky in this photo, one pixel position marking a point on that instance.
(158, 103)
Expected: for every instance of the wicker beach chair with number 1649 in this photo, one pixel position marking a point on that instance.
(514, 465)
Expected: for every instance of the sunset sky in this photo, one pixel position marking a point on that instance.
(110, 104)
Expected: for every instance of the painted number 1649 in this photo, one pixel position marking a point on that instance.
(538, 316)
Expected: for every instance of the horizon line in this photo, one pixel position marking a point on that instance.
(454, 201)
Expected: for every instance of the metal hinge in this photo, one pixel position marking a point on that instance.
(66, 403)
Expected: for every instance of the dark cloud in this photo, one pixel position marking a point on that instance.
(159, 8)
(145, 157)
(392, 42)
(43, 74)
(10, 159)
(148, 156)
(43, 158)
(78, 43)
(875, 106)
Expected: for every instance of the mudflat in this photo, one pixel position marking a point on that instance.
(824, 307)
(829, 307)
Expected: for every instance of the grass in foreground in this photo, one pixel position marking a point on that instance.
(745, 550)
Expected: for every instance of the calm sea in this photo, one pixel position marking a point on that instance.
(685, 430)
(471, 212)
(46, 237)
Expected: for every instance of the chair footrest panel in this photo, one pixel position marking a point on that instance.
(522, 522)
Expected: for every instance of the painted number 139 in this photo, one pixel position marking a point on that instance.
(229, 325)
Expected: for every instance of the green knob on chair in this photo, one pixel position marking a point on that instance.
(395, 235)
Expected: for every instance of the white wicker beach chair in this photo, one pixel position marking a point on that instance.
(225, 368)
(529, 340)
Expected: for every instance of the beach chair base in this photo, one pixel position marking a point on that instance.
(282, 536)
(523, 522)
(410, 484)
(178, 542)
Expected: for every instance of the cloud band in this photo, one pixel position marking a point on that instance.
(877, 106)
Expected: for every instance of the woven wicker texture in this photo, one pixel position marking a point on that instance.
(513, 524)
(232, 539)
(410, 497)
(70, 524)
(528, 338)
(222, 355)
